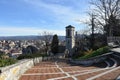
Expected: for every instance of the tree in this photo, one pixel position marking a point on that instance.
(31, 49)
(108, 13)
(92, 24)
(55, 43)
(46, 37)
(113, 26)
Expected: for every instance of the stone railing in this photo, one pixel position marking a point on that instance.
(113, 39)
(13, 72)
(90, 61)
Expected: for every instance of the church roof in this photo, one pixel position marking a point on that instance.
(69, 26)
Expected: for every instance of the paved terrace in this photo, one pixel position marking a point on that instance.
(50, 70)
(116, 50)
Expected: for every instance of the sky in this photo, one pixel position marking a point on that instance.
(32, 17)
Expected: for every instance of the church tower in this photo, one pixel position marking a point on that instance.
(70, 39)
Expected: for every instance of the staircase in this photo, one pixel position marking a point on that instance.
(112, 70)
(109, 69)
(58, 69)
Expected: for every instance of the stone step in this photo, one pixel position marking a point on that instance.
(111, 74)
(110, 61)
(40, 77)
(117, 59)
(84, 76)
(100, 64)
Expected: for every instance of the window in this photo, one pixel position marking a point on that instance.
(68, 32)
(68, 42)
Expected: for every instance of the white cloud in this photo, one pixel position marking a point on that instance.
(11, 31)
(64, 14)
(55, 8)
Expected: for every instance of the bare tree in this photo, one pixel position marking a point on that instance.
(92, 24)
(104, 9)
(46, 37)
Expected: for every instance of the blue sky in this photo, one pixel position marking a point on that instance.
(32, 17)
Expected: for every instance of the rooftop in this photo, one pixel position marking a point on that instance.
(69, 26)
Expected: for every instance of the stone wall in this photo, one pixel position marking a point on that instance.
(90, 61)
(13, 72)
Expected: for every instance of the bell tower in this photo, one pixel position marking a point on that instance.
(70, 39)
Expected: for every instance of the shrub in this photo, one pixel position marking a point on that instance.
(77, 54)
(99, 51)
(6, 62)
(28, 56)
(88, 52)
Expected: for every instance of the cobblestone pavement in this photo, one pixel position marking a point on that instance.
(49, 70)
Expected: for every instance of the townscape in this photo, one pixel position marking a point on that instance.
(69, 45)
(15, 47)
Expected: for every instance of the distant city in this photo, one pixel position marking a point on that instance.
(31, 37)
(16, 45)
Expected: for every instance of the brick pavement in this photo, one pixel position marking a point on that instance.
(63, 71)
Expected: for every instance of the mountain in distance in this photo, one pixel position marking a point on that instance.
(26, 37)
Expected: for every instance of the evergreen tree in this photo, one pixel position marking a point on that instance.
(54, 46)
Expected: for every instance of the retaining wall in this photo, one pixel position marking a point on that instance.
(13, 72)
(90, 61)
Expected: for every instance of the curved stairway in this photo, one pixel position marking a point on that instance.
(113, 71)
(61, 70)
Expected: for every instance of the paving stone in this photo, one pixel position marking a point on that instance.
(49, 70)
(85, 76)
(41, 77)
(110, 76)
